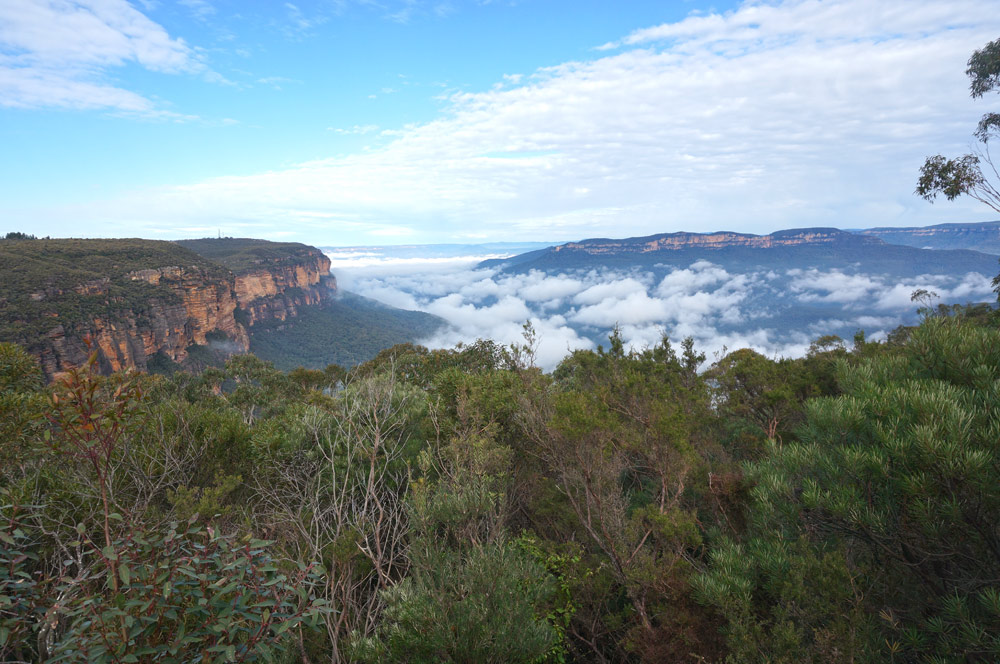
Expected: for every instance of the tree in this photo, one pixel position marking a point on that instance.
(973, 174)
(751, 386)
(874, 538)
(471, 593)
(338, 497)
(625, 437)
(191, 594)
(126, 589)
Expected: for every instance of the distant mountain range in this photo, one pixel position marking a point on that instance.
(984, 237)
(818, 248)
(775, 291)
(148, 304)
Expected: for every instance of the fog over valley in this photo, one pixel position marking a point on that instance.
(776, 312)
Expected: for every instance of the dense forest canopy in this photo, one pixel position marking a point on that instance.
(461, 505)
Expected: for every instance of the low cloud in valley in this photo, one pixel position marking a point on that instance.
(776, 313)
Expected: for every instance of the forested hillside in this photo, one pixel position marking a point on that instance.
(346, 330)
(463, 506)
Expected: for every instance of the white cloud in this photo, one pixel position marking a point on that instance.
(56, 53)
(834, 286)
(866, 291)
(356, 129)
(540, 287)
(201, 9)
(798, 113)
(630, 308)
(718, 308)
(700, 274)
(757, 26)
(608, 291)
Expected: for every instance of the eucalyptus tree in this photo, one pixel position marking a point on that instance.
(972, 174)
(875, 537)
(626, 437)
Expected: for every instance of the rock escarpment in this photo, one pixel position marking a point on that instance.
(202, 304)
(136, 301)
(718, 240)
(278, 292)
(984, 237)
(794, 249)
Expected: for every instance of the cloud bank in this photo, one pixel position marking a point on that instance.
(778, 314)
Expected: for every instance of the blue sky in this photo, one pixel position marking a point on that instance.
(353, 122)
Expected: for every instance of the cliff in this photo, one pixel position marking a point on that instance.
(984, 237)
(709, 241)
(273, 280)
(168, 325)
(795, 249)
(136, 300)
(279, 291)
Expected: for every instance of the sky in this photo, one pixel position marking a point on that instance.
(360, 122)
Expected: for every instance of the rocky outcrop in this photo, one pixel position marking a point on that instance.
(719, 240)
(984, 237)
(278, 291)
(189, 306)
(200, 304)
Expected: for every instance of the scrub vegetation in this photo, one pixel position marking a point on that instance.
(464, 506)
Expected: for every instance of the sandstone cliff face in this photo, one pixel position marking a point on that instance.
(278, 291)
(722, 240)
(199, 304)
(204, 305)
(983, 237)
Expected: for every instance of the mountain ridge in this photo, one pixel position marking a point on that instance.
(979, 236)
(798, 247)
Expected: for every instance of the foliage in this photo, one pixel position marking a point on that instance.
(626, 438)
(473, 607)
(462, 505)
(145, 592)
(22, 407)
(984, 69)
(349, 330)
(189, 595)
(242, 255)
(892, 491)
(471, 593)
(967, 175)
(19, 371)
(19, 589)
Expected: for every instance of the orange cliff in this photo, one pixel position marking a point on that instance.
(198, 305)
(719, 240)
(277, 291)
